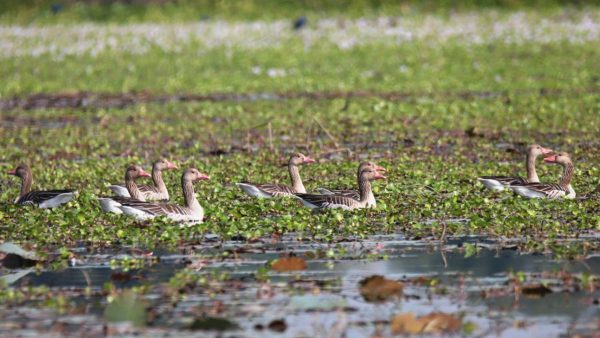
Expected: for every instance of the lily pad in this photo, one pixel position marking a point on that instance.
(127, 307)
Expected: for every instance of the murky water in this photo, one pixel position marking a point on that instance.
(324, 300)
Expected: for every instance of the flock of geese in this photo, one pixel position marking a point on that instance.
(149, 201)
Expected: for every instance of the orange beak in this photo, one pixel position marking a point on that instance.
(203, 177)
(171, 165)
(546, 150)
(12, 172)
(380, 168)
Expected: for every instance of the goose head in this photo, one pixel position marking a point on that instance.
(371, 165)
(558, 158)
(371, 175)
(21, 171)
(135, 171)
(192, 174)
(164, 164)
(535, 150)
(299, 158)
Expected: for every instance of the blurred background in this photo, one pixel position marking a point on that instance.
(38, 11)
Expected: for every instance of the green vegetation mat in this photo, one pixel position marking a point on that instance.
(439, 112)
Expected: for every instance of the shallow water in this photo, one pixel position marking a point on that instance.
(324, 299)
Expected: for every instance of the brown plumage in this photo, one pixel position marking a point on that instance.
(355, 194)
(155, 192)
(499, 183)
(40, 198)
(563, 189)
(270, 190)
(315, 201)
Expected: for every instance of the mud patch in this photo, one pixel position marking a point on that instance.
(121, 100)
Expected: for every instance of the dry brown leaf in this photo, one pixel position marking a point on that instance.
(406, 323)
(377, 288)
(435, 322)
(289, 264)
(535, 290)
(439, 322)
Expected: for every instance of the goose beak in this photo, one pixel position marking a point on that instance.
(144, 174)
(546, 151)
(379, 176)
(308, 160)
(203, 177)
(550, 159)
(380, 168)
(12, 172)
(171, 165)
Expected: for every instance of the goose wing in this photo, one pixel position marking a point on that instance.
(275, 189)
(343, 192)
(505, 180)
(38, 197)
(157, 209)
(549, 190)
(328, 201)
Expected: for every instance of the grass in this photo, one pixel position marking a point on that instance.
(422, 139)
(50, 11)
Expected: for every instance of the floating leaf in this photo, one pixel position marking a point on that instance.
(377, 288)
(406, 323)
(536, 290)
(278, 325)
(289, 264)
(435, 323)
(213, 324)
(127, 307)
(470, 250)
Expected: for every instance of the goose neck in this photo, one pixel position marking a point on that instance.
(296, 179)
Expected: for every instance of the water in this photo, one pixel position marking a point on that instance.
(324, 299)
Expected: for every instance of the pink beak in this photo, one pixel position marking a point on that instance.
(203, 177)
(546, 150)
(380, 168)
(171, 165)
(12, 172)
(550, 159)
(308, 160)
(144, 174)
(379, 176)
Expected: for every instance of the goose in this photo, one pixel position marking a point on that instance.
(498, 183)
(271, 190)
(191, 212)
(551, 190)
(113, 203)
(315, 201)
(156, 192)
(355, 194)
(41, 198)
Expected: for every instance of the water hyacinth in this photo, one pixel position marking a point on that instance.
(467, 28)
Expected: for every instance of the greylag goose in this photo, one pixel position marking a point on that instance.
(43, 199)
(157, 191)
(498, 183)
(315, 201)
(113, 204)
(191, 212)
(550, 190)
(355, 194)
(271, 190)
